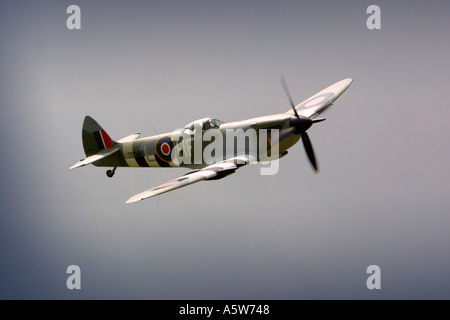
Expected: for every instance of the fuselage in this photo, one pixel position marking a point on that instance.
(207, 141)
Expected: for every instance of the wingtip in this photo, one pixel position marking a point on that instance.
(78, 164)
(134, 199)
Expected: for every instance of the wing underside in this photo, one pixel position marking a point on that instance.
(221, 168)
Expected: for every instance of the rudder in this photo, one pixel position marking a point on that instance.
(95, 138)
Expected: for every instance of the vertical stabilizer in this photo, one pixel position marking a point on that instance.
(95, 138)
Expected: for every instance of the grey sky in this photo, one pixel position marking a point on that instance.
(382, 196)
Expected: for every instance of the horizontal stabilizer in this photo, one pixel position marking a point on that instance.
(102, 154)
(129, 138)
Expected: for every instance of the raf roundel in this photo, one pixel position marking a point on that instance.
(164, 147)
(317, 100)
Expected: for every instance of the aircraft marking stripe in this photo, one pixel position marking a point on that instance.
(150, 159)
(106, 139)
(127, 148)
(141, 162)
(99, 140)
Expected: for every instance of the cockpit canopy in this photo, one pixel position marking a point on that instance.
(205, 124)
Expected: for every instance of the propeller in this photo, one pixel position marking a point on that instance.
(288, 94)
(300, 125)
(310, 151)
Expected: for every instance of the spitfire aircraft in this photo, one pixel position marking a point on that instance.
(163, 150)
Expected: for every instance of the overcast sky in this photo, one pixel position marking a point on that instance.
(381, 198)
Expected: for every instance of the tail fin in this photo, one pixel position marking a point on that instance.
(95, 139)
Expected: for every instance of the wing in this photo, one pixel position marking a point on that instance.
(102, 154)
(217, 170)
(322, 100)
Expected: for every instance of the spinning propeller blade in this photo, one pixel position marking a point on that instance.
(309, 151)
(300, 125)
(286, 90)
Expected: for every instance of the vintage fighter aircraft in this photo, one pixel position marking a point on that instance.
(158, 151)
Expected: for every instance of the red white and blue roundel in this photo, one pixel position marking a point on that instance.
(164, 147)
(321, 99)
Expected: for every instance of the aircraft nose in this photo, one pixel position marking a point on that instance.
(300, 124)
